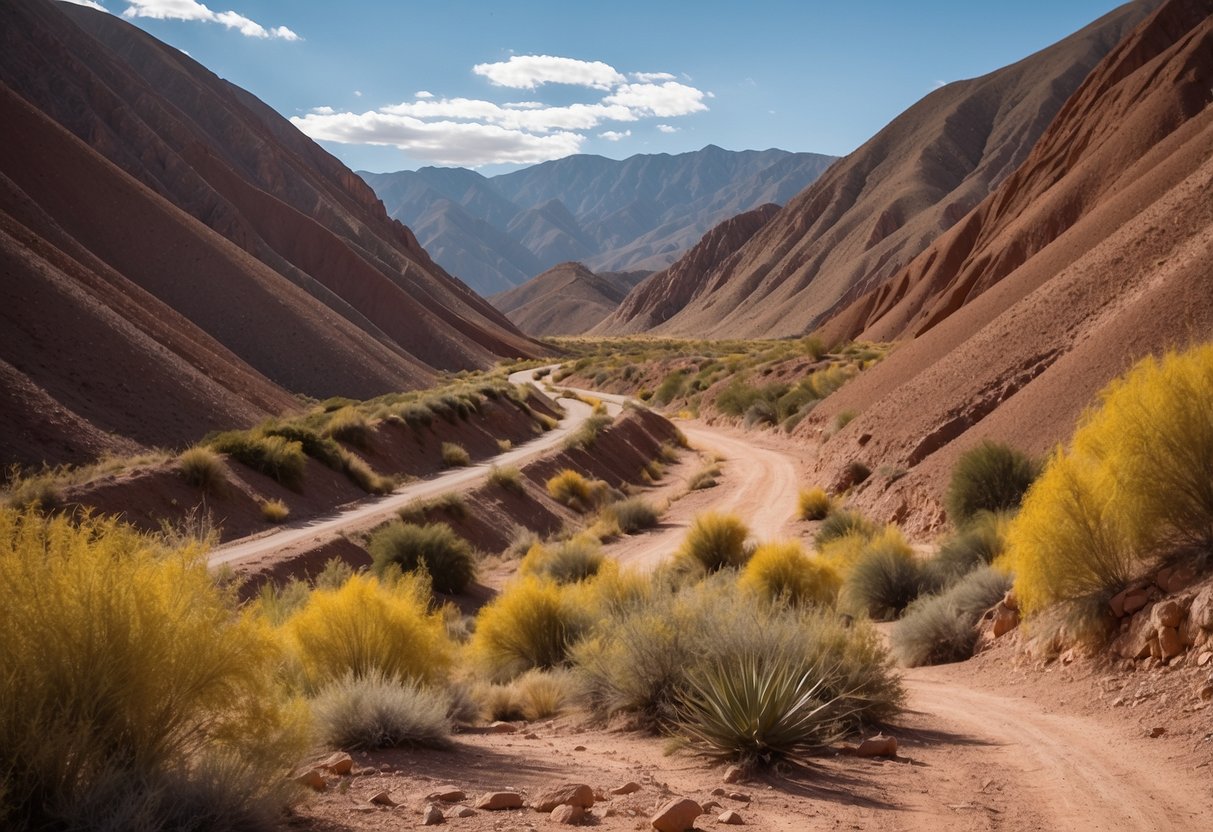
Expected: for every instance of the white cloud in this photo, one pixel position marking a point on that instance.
(530, 71)
(88, 3)
(475, 132)
(193, 10)
(939, 84)
(441, 142)
(664, 100)
(357, 93)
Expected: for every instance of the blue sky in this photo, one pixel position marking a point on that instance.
(506, 84)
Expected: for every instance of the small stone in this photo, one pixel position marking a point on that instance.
(877, 746)
(710, 806)
(579, 748)
(312, 779)
(503, 728)
(1205, 692)
(741, 797)
(678, 815)
(461, 812)
(568, 815)
(382, 799)
(530, 736)
(432, 816)
(629, 787)
(497, 801)
(340, 764)
(568, 794)
(447, 794)
(1157, 732)
(1011, 601)
(734, 774)
(731, 818)
(718, 792)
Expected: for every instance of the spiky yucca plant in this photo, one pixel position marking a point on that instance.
(757, 711)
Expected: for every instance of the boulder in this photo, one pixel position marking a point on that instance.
(1176, 579)
(1169, 642)
(730, 818)
(1201, 611)
(1136, 599)
(497, 801)
(1006, 619)
(340, 764)
(568, 794)
(676, 816)
(568, 815)
(877, 746)
(1134, 640)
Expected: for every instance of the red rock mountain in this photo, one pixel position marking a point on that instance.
(178, 258)
(691, 276)
(1097, 251)
(876, 209)
(567, 299)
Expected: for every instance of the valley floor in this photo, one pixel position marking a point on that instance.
(996, 743)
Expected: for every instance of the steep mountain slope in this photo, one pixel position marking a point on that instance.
(875, 210)
(567, 299)
(670, 290)
(1097, 251)
(179, 258)
(639, 213)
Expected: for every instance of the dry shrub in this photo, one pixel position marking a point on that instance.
(705, 477)
(989, 478)
(571, 489)
(979, 543)
(531, 624)
(781, 571)
(274, 511)
(280, 459)
(841, 523)
(566, 561)
(814, 504)
(434, 547)
(455, 455)
(368, 626)
(633, 514)
(885, 578)
(378, 711)
(507, 477)
(586, 435)
(202, 468)
(349, 425)
(715, 541)
(542, 694)
(943, 628)
(133, 694)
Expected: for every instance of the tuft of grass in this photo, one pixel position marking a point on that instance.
(814, 504)
(715, 541)
(633, 514)
(508, 477)
(943, 628)
(451, 503)
(989, 478)
(705, 477)
(504, 445)
(843, 419)
(122, 662)
(543, 694)
(566, 562)
(447, 558)
(280, 459)
(571, 489)
(839, 524)
(274, 511)
(325, 450)
(531, 624)
(376, 711)
(586, 435)
(202, 468)
(367, 626)
(885, 579)
(781, 571)
(455, 455)
(348, 425)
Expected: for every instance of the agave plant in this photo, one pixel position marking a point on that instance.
(757, 711)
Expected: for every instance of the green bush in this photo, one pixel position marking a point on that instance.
(376, 711)
(715, 541)
(132, 693)
(670, 388)
(586, 435)
(991, 477)
(454, 455)
(326, 451)
(885, 579)
(565, 562)
(277, 458)
(761, 412)
(978, 544)
(942, 628)
(448, 558)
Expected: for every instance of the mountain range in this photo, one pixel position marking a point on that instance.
(178, 258)
(640, 213)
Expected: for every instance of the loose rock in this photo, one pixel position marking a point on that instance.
(447, 794)
(497, 801)
(432, 816)
(383, 799)
(731, 818)
(627, 788)
(877, 746)
(312, 779)
(503, 728)
(461, 812)
(340, 764)
(734, 774)
(676, 816)
(568, 794)
(1169, 642)
(741, 797)
(568, 815)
